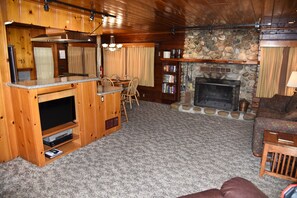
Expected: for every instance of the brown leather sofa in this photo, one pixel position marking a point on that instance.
(278, 113)
(236, 187)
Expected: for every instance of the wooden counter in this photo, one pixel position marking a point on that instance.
(97, 114)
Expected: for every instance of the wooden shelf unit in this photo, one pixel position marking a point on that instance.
(57, 129)
(27, 120)
(170, 81)
(66, 148)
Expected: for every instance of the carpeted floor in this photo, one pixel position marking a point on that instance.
(159, 153)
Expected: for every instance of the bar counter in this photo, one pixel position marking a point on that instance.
(42, 83)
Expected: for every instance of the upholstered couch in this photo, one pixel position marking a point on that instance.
(233, 188)
(278, 113)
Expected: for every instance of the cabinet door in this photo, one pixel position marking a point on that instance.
(111, 111)
(88, 113)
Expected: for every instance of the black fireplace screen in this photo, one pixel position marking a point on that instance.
(217, 93)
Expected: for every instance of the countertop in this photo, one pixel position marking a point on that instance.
(103, 90)
(34, 84)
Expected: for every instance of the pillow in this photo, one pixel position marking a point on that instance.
(239, 187)
(292, 115)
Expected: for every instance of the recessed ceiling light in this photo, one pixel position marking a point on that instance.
(268, 23)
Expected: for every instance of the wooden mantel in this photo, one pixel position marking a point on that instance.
(218, 61)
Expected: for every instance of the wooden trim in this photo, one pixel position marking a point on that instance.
(56, 95)
(82, 45)
(138, 44)
(55, 88)
(267, 43)
(195, 60)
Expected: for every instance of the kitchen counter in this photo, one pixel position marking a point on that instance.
(34, 84)
(103, 90)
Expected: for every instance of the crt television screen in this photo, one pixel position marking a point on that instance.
(56, 112)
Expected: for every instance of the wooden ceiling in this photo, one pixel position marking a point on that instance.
(149, 16)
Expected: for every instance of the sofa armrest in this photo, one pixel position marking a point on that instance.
(262, 124)
(240, 187)
(277, 102)
(213, 193)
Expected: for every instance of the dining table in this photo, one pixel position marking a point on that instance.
(121, 82)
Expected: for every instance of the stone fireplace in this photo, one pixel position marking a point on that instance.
(220, 45)
(217, 93)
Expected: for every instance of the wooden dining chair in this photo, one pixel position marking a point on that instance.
(131, 93)
(114, 76)
(105, 81)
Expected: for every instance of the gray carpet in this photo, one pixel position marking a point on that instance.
(159, 153)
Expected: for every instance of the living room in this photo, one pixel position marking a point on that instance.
(159, 152)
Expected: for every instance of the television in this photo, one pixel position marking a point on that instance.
(57, 112)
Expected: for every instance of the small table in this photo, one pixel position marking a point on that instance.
(279, 157)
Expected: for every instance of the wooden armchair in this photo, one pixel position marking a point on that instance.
(131, 92)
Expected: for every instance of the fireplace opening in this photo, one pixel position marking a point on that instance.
(217, 93)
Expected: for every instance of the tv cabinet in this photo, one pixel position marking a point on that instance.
(28, 125)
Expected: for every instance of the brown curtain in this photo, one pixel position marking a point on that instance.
(140, 63)
(270, 70)
(44, 62)
(90, 61)
(276, 66)
(114, 62)
(75, 61)
(292, 66)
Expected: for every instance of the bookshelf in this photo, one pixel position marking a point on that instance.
(170, 81)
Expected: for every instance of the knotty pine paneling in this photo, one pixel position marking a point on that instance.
(8, 141)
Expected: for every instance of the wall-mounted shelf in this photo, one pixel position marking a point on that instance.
(220, 61)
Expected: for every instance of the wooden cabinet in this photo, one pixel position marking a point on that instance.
(170, 81)
(88, 112)
(109, 112)
(28, 119)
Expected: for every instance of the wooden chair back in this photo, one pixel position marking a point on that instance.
(105, 81)
(132, 87)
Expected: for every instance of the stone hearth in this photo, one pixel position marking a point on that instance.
(237, 115)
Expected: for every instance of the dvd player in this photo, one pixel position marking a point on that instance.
(58, 138)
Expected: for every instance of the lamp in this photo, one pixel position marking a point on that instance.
(293, 81)
(112, 46)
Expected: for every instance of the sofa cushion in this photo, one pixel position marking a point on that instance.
(270, 113)
(277, 102)
(292, 115)
(292, 104)
(239, 187)
(213, 193)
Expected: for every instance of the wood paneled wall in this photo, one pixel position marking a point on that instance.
(163, 41)
(8, 142)
(28, 12)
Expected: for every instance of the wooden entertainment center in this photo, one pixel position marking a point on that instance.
(92, 109)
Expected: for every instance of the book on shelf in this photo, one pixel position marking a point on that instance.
(53, 153)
